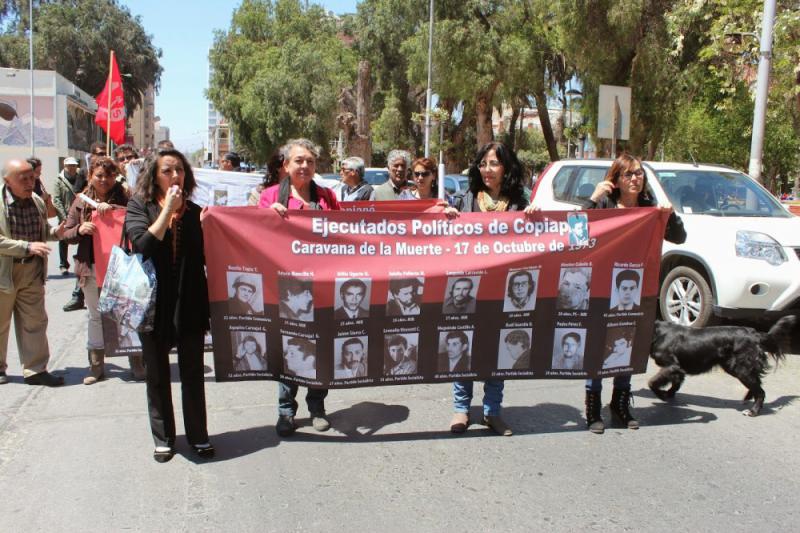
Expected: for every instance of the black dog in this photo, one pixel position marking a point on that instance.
(742, 352)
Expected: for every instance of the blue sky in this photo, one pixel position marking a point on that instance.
(184, 31)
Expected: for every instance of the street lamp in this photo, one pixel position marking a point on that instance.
(572, 93)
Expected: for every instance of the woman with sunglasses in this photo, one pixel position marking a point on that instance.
(624, 186)
(425, 177)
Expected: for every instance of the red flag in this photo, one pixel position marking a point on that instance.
(113, 98)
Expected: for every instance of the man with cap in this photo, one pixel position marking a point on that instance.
(69, 183)
(243, 291)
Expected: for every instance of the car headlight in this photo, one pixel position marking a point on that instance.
(755, 245)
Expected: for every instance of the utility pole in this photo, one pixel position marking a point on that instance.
(762, 91)
(429, 95)
(30, 53)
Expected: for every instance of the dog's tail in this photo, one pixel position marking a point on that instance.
(777, 340)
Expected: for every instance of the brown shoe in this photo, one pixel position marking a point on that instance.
(137, 367)
(459, 423)
(498, 425)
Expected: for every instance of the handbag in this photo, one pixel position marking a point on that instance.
(128, 295)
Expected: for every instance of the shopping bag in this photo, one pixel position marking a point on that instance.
(129, 290)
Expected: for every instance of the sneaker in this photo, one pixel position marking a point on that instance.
(64, 271)
(320, 422)
(285, 426)
(3, 378)
(75, 304)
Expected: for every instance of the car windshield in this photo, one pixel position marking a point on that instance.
(376, 177)
(723, 193)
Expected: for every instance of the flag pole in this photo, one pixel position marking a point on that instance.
(108, 109)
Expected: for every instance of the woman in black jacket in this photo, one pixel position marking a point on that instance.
(164, 225)
(624, 186)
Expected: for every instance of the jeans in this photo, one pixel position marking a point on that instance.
(620, 382)
(492, 396)
(92, 293)
(287, 405)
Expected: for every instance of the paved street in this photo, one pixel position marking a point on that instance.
(79, 458)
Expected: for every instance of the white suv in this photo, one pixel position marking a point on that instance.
(741, 258)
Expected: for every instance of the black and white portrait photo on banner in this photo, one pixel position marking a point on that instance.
(296, 299)
(299, 357)
(460, 295)
(619, 344)
(350, 357)
(514, 350)
(404, 296)
(455, 351)
(568, 346)
(573, 289)
(521, 290)
(351, 298)
(626, 289)
(249, 351)
(578, 229)
(245, 294)
(400, 354)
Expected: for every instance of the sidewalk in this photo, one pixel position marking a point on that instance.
(78, 458)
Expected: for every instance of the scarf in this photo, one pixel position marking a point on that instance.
(486, 203)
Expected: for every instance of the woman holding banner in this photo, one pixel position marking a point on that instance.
(102, 194)
(495, 184)
(624, 186)
(299, 192)
(164, 225)
(424, 174)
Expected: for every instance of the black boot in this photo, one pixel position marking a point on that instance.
(593, 418)
(76, 302)
(621, 400)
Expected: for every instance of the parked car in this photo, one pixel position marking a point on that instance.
(376, 176)
(741, 258)
(456, 183)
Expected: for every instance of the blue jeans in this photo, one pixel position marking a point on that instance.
(492, 396)
(620, 382)
(287, 405)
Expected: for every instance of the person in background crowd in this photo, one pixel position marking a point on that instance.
(398, 163)
(164, 225)
(165, 144)
(495, 185)
(624, 186)
(299, 191)
(79, 229)
(275, 173)
(40, 189)
(424, 174)
(124, 154)
(354, 188)
(69, 183)
(23, 269)
(230, 162)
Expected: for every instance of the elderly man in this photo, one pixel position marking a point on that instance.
(354, 188)
(23, 267)
(398, 163)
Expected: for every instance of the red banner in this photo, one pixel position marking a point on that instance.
(108, 233)
(344, 299)
(405, 206)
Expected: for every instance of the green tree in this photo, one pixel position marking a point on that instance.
(74, 38)
(277, 73)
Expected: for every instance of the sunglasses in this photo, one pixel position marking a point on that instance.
(129, 157)
(423, 174)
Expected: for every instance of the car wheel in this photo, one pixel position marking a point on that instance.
(686, 298)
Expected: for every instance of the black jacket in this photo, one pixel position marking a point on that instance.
(674, 232)
(182, 290)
